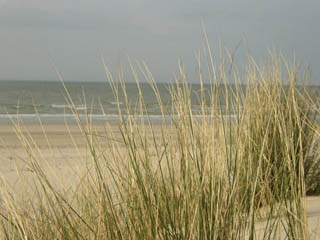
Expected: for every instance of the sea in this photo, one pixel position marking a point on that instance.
(31, 101)
(45, 101)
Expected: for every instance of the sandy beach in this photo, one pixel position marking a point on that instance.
(62, 151)
(66, 160)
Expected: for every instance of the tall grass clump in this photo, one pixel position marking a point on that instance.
(245, 158)
(281, 121)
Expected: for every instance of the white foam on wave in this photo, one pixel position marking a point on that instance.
(59, 106)
(61, 118)
(81, 108)
(116, 103)
(77, 107)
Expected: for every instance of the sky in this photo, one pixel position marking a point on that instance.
(36, 35)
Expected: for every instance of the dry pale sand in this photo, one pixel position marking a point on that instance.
(62, 152)
(66, 160)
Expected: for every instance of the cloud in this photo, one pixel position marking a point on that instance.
(157, 30)
(53, 14)
(88, 15)
(3, 2)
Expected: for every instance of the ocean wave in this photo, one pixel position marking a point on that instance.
(95, 117)
(77, 107)
(61, 118)
(116, 103)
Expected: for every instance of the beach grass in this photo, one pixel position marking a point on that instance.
(247, 158)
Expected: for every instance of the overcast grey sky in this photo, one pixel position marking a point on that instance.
(73, 33)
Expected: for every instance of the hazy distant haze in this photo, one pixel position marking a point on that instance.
(73, 33)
